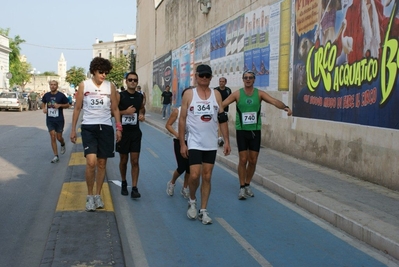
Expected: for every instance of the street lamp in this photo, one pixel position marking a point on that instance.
(34, 73)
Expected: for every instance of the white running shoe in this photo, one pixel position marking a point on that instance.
(241, 194)
(192, 210)
(185, 192)
(248, 191)
(204, 217)
(90, 206)
(98, 202)
(55, 159)
(63, 149)
(170, 188)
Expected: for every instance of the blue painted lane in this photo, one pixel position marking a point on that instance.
(259, 231)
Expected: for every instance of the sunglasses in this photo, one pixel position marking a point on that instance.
(206, 75)
(102, 72)
(248, 77)
(132, 80)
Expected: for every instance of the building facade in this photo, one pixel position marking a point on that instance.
(334, 70)
(121, 45)
(4, 62)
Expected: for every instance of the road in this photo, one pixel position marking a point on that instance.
(155, 231)
(29, 186)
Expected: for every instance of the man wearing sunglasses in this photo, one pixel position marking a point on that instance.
(248, 128)
(98, 98)
(201, 111)
(131, 107)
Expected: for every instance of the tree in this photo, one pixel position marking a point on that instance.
(120, 65)
(49, 73)
(75, 76)
(19, 74)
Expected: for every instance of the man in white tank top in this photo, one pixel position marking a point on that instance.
(98, 98)
(201, 111)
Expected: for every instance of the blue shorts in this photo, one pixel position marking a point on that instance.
(57, 126)
(98, 139)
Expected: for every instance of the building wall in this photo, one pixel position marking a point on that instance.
(370, 153)
(4, 62)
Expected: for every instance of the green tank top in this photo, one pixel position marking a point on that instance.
(248, 111)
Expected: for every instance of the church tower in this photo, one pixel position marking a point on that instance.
(62, 67)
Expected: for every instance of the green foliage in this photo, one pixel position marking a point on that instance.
(49, 73)
(75, 76)
(120, 65)
(19, 74)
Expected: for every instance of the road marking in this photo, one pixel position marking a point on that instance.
(73, 197)
(77, 158)
(132, 235)
(152, 153)
(250, 249)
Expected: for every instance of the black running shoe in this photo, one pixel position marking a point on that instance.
(124, 189)
(135, 193)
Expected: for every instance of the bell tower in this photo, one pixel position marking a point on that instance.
(62, 67)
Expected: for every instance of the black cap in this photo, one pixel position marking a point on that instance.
(204, 69)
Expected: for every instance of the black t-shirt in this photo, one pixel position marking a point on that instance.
(225, 93)
(167, 97)
(130, 123)
(53, 114)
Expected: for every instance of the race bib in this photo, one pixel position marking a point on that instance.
(203, 108)
(98, 101)
(53, 112)
(129, 119)
(249, 118)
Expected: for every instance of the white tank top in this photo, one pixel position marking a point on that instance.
(202, 123)
(97, 103)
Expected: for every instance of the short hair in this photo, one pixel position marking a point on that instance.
(131, 73)
(225, 80)
(53, 81)
(250, 72)
(99, 63)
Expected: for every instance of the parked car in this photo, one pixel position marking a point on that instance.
(13, 100)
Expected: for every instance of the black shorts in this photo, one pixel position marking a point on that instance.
(130, 142)
(57, 126)
(98, 139)
(200, 156)
(248, 140)
(182, 163)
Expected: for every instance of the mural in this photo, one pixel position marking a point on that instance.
(161, 76)
(248, 41)
(346, 61)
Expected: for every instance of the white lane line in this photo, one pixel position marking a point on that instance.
(132, 236)
(250, 249)
(152, 152)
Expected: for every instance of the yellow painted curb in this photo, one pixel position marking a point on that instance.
(77, 158)
(73, 197)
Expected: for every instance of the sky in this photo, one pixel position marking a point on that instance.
(50, 28)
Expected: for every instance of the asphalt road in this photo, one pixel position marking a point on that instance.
(262, 231)
(29, 186)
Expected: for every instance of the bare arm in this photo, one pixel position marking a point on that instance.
(76, 111)
(171, 121)
(182, 121)
(224, 128)
(115, 110)
(275, 102)
(230, 99)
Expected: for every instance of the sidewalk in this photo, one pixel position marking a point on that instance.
(366, 211)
